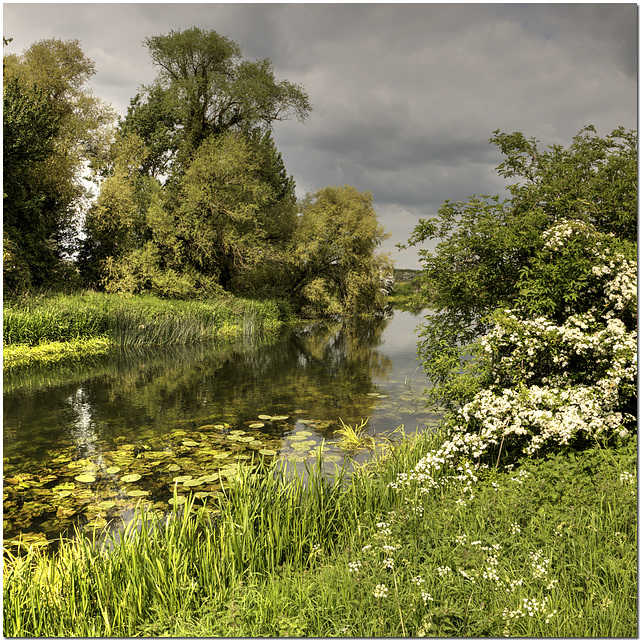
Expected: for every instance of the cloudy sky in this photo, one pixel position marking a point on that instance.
(405, 96)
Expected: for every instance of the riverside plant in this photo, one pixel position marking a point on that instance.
(538, 552)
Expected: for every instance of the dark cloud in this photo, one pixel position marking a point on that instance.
(405, 95)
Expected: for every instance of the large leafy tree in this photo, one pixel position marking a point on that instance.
(52, 75)
(223, 209)
(491, 251)
(29, 129)
(204, 87)
(336, 268)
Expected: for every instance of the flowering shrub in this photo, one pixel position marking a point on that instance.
(552, 381)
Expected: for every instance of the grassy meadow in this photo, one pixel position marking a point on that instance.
(52, 329)
(546, 548)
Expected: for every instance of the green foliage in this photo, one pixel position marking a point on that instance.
(547, 549)
(337, 268)
(53, 126)
(36, 329)
(494, 254)
(205, 88)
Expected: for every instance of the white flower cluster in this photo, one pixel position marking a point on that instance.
(557, 236)
(551, 382)
(380, 591)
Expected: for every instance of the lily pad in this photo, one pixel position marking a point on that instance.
(181, 479)
(279, 417)
(85, 477)
(256, 425)
(173, 467)
(209, 478)
(264, 416)
(107, 504)
(190, 443)
(137, 493)
(177, 500)
(62, 494)
(194, 482)
(113, 469)
(132, 477)
(237, 432)
(304, 433)
(65, 486)
(267, 452)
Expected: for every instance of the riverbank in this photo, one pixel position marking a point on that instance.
(545, 548)
(43, 330)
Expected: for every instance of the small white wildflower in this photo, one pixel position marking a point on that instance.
(380, 591)
(426, 597)
(354, 567)
(418, 580)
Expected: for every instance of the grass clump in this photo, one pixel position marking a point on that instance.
(82, 322)
(546, 548)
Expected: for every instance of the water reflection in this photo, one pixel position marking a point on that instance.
(166, 402)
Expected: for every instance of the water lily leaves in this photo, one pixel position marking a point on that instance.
(190, 443)
(222, 454)
(106, 505)
(173, 467)
(181, 479)
(112, 470)
(245, 438)
(256, 425)
(194, 482)
(237, 432)
(177, 500)
(209, 478)
(98, 523)
(85, 477)
(278, 418)
(132, 477)
(65, 486)
(267, 452)
(304, 433)
(62, 494)
(264, 416)
(137, 493)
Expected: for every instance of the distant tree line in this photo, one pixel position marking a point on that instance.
(193, 198)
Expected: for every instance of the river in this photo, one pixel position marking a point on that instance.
(82, 445)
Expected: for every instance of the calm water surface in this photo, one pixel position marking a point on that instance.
(82, 446)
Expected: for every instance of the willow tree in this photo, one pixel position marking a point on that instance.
(204, 88)
(226, 205)
(337, 269)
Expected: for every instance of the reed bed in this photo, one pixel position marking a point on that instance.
(544, 549)
(76, 320)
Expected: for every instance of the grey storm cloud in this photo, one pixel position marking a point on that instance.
(405, 96)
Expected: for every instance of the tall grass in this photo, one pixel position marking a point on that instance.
(141, 320)
(547, 549)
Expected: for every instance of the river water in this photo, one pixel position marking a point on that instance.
(83, 445)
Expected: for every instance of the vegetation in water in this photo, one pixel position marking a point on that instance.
(58, 328)
(193, 199)
(538, 551)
